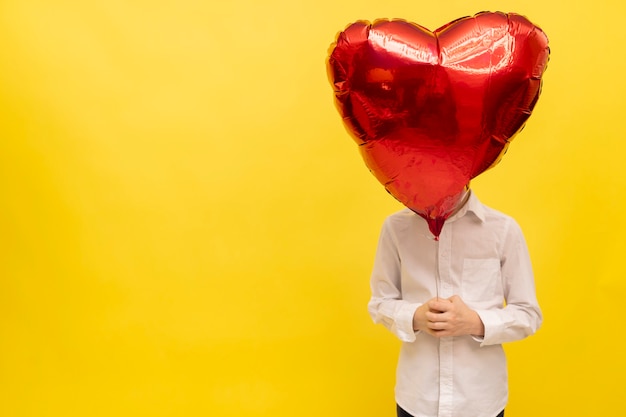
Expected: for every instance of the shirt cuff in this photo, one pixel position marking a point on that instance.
(404, 322)
(493, 326)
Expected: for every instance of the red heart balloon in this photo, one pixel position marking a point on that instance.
(432, 110)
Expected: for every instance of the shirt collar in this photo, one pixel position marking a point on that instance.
(472, 205)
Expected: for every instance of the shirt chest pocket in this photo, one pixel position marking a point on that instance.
(481, 279)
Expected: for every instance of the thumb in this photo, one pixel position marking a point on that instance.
(439, 304)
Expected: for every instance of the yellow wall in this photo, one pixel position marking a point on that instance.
(187, 230)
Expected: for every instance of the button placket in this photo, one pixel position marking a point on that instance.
(446, 344)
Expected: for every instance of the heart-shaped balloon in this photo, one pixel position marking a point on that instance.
(432, 110)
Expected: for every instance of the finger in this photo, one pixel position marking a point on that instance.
(433, 305)
(437, 316)
(432, 316)
(440, 305)
(456, 300)
(437, 325)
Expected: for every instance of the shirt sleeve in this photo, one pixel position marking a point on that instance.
(386, 305)
(521, 315)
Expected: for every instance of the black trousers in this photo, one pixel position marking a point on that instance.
(402, 413)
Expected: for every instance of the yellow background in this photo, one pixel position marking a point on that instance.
(186, 229)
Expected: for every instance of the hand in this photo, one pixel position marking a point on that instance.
(420, 321)
(448, 317)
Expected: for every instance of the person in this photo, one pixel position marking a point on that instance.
(453, 302)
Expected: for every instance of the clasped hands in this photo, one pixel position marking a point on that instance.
(442, 317)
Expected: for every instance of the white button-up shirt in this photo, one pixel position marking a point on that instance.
(481, 255)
